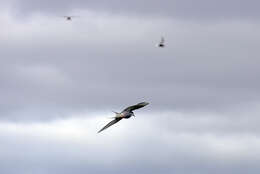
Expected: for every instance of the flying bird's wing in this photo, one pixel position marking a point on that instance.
(73, 16)
(134, 107)
(162, 40)
(70, 16)
(110, 124)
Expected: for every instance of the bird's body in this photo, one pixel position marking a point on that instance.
(69, 18)
(161, 44)
(126, 113)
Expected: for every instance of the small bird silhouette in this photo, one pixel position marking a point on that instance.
(161, 44)
(126, 113)
(69, 18)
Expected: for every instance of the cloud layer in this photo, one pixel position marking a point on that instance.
(93, 63)
(67, 146)
(60, 80)
(187, 9)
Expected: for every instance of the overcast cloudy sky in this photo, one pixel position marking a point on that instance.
(60, 80)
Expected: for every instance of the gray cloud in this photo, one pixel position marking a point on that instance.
(60, 80)
(201, 9)
(91, 64)
(70, 145)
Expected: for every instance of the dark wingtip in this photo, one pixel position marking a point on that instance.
(144, 103)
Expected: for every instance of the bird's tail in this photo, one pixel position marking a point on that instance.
(116, 112)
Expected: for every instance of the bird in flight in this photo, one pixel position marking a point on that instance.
(126, 113)
(161, 44)
(69, 18)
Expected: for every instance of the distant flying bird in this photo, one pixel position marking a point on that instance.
(69, 18)
(126, 113)
(161, 44)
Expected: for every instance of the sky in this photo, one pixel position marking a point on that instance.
(60, 81)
